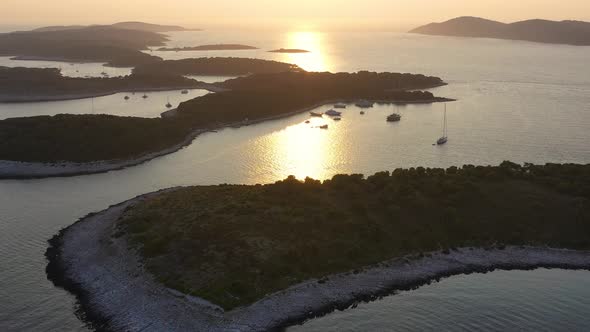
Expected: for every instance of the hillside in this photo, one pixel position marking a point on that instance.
(116, 47)
(141, 26)
(542, 31)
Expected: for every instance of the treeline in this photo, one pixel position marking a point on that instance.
(83, 138)
(234, 244)
(346, 83)
(117, 47)
(34, 82)
(215, 66)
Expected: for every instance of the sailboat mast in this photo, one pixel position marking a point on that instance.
(445, 122)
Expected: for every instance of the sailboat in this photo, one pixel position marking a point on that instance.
(444, 139)
(168, 104)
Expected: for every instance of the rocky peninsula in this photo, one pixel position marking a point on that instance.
(503, 217)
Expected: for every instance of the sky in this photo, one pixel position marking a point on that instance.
(295, 13)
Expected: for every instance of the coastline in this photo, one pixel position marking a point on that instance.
(102, 272)
(11, 99)
(35, 170)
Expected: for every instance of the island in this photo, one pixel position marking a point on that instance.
(289, 50)
(142, 26)
(541, 31)
(263, 257)
(117, 47)
(47, 84)
(82, 144)
(215, 47)
(36, 84)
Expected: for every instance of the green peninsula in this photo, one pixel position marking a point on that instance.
(234, 245)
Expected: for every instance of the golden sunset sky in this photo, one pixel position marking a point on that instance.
(370, 13)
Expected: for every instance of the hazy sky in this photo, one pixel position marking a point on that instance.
(310, 13)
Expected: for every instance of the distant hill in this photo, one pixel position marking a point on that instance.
(542, 31)
(147, 27)
(115, 46)
(141, 26)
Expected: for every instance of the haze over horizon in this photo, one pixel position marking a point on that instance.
(302, 14)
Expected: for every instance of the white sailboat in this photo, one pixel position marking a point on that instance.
(444, 139)
(168, 105)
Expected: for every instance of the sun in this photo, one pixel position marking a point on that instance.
(316, 59)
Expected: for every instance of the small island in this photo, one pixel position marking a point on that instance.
(263, 257)
(70, 144)
(542, 31)
(215, 47)
(289, 50)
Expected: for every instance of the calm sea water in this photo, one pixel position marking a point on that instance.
(541, 300)
(114, 104)
(520, 101)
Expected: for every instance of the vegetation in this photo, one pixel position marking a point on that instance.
(216, 47)
(117, 47)
(234, 244)
(121, 25)
(541, 31)
(22, 83)
(86, 138)
(215, 66)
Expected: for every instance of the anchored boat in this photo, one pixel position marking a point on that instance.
(444, 138)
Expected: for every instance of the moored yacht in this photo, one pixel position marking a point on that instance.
(333, 113)
(365, 104)
(394, 117)
(444, 138)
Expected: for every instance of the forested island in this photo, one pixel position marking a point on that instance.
(117, 47)
(262, 257)
(37, 84)
(46, 84)
(215, 66)
(214, 47)
(141, 26)
(542, 31)
(242, 101)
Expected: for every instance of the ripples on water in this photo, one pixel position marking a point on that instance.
(540, 300)
(520, 101)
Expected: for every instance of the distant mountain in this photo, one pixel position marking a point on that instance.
(59, 28)
(147, 27)
(141, 26)
(542, 31)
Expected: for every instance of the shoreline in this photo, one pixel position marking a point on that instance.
(103, 273)
(11, 99)
(17, 170)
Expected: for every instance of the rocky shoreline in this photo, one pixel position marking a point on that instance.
(35, 170)
(115, 293)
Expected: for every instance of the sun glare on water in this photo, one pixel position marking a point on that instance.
(304, 150)
(313, 42)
